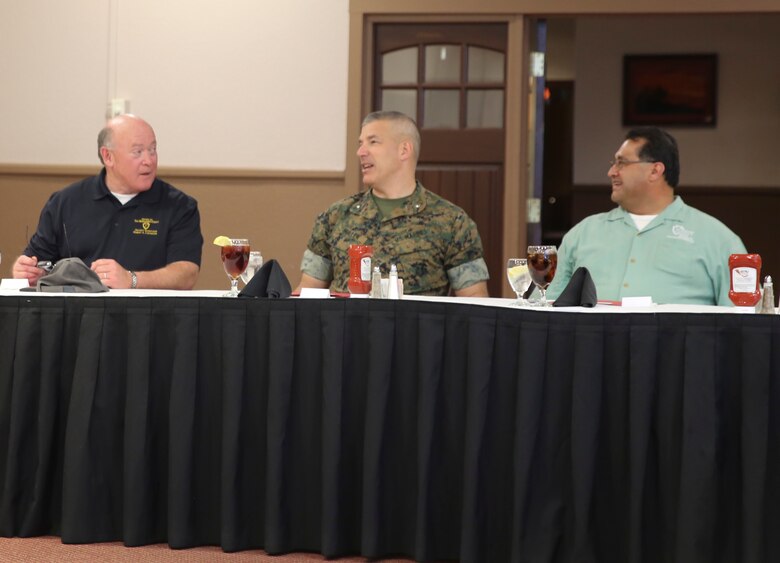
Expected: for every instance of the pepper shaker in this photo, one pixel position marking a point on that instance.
(376, 284)
(768, 298)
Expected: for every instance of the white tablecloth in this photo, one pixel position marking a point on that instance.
(482, 301)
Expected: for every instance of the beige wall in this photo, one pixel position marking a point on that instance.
(741, 150)
(233, 84)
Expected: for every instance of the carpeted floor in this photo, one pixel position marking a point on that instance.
(50, 549)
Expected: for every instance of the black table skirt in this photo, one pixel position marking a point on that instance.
(430, 430)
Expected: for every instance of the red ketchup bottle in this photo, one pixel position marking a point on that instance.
(360, 269)
(745, 270)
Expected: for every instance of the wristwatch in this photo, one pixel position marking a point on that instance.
(133, 279)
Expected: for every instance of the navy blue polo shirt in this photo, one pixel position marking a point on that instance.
(155, 228)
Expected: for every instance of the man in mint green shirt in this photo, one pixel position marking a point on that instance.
(653, 244)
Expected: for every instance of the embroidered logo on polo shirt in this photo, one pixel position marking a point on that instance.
(681, 233)
(145, 226)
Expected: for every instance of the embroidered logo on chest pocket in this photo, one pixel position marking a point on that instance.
(681, 233)
(146, 225)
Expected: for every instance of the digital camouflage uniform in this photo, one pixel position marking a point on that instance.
(434, 243)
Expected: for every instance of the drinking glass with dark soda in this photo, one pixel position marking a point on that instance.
(235, 257)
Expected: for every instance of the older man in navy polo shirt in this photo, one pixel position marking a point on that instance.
(130, 227)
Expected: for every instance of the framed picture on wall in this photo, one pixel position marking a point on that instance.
(670, 90)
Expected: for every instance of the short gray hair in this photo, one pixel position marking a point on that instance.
(104, 140)
(404, 124)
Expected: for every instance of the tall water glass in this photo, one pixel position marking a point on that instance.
(519, 278)
(255, 261)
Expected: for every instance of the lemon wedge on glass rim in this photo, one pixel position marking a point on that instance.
(517, 271)
(222, 241)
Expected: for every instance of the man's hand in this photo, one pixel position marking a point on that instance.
(111, 273)
(26, 267)
(176, 275)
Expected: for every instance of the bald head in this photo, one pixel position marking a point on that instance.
(127, 148)
(117, 124)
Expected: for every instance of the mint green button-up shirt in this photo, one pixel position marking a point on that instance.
(680, 257)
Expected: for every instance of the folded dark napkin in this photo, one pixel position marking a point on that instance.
(69, 275)
(268, 281)
(580, 291)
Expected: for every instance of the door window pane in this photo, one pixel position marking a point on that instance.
(404, 101)
(442, 63)
(485, 109)
(485, 65)
(400, 67)
(442, 109)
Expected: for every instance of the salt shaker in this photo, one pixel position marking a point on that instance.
(768, 298)
(392, 283)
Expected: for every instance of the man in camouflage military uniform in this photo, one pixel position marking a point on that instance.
(434, 244)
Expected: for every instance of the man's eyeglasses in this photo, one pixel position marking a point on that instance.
(620, 164)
